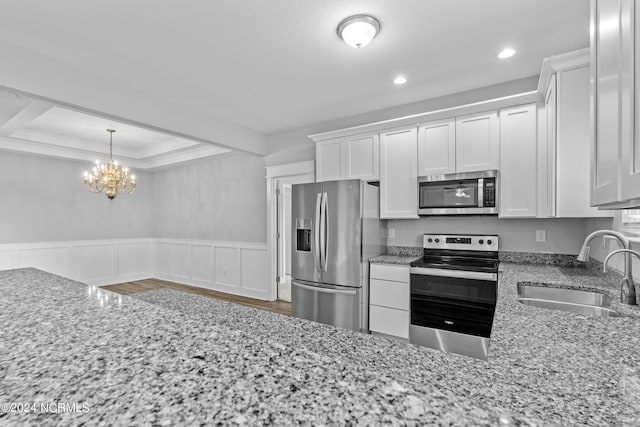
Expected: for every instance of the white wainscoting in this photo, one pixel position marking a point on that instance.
(236, 268)
(96, 262)
(232, 267)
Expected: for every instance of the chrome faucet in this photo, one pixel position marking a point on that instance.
(627, 288)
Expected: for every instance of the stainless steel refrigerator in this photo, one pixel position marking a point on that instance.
(335, 230)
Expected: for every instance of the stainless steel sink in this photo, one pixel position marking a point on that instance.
(572, 300)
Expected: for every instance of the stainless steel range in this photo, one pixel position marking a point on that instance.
(454, 290)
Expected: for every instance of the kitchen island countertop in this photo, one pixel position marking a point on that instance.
(185, 358)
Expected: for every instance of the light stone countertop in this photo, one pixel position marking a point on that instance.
(394, 259)
(181, 358)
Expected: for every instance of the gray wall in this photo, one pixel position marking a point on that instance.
(216, 198)
(44, 199)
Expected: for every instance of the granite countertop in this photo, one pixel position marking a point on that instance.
(401, 255)
(169, 357)
(394, 259)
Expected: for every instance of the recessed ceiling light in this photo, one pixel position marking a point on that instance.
(506, 53)
(400, 80)
(358, 30)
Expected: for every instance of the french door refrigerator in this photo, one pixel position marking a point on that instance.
(335, 230)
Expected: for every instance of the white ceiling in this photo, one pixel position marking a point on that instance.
(276, 65)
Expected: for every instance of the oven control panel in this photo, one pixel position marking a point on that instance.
(469, 242)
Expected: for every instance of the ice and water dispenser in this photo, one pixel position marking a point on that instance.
(303, 234)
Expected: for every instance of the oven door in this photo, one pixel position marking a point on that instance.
(452, 300)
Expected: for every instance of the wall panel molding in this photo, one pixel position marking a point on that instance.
(234, 267)
(95, 262)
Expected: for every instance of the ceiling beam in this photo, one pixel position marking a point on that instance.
(17, 112)
(45, 78)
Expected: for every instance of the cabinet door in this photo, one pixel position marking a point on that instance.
(605, 98)
(631, 143)
(547, 154)
(518, 148)
(330, 164)
(572, 146)
(477, 142)
(363, 158)
(399, 173)
(389, 321)
(437, 148)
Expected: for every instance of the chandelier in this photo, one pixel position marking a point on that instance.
(111, 178)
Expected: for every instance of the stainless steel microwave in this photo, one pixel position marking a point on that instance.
(471, 193)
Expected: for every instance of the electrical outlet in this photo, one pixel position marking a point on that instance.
(392, 233)
(541, 235)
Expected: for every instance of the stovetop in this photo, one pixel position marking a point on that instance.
(460, 252)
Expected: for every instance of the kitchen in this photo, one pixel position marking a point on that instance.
(203, 233)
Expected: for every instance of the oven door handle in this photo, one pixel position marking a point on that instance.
(461, 274)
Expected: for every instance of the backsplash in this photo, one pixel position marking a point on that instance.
(540, 258)
(404, 251)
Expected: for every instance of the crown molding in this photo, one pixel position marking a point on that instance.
(558, 63)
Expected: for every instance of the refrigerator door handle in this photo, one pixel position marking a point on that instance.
(325, 235)
(323, 290)
(323, 232)
(316, 240)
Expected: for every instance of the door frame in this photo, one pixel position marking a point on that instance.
(292, 173)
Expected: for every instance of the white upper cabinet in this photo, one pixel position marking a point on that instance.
(564, 143)
(615, 157)
(572, 146)
(346, 158)
(606, 74)
(517, 158)
(547, 153)
(631, 150)
(477, 142)
(363, 155)
(399, 173)
(462, 144)
(330, 160)
(437, 148)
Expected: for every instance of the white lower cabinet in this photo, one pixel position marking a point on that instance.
(389, 300)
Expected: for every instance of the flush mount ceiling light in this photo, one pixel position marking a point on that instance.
(111, 178)
(506, 53)
(400, 80)
(358, 30)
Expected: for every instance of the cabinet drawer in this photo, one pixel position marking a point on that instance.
(396, 273)
(389, 294)
(389, 321)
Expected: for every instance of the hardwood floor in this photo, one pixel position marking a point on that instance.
(129, 288)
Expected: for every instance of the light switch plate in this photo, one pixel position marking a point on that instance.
(541, 235)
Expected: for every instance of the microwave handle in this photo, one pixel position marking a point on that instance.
(480, 192)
